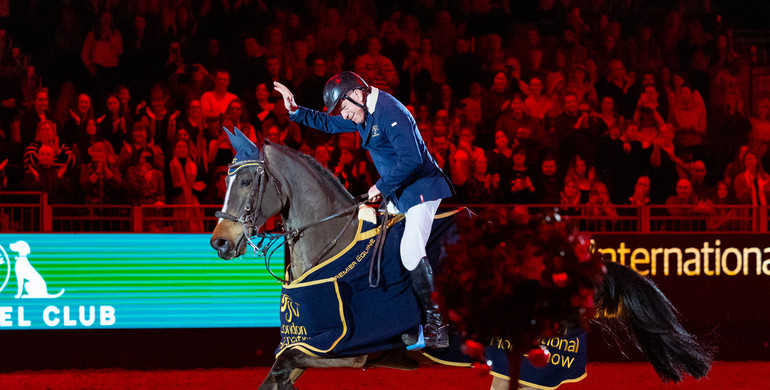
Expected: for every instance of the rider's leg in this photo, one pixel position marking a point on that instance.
(419, 221)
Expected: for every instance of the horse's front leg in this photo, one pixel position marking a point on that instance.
(288, 367)
(504, 384)
(280, 375)
(292, 363)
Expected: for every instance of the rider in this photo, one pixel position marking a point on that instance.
(410, 180)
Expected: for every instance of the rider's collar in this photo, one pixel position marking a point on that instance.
(371, 100)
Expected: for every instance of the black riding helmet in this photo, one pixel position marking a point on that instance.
(338, 87)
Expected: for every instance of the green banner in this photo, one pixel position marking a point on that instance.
(132, 281)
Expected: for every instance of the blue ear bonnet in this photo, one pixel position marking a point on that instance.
(245, 150)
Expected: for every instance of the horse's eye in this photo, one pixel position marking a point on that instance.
(245, 183)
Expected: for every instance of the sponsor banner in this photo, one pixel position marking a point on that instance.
(689, 255)
(711, 278)
(131, 281)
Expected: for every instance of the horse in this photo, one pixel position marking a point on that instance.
(318, 216)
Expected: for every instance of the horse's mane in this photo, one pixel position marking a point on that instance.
(313, 163)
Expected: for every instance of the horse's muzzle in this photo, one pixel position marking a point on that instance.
(228, 239)
(224, 247)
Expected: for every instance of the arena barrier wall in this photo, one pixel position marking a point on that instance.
(167, 301)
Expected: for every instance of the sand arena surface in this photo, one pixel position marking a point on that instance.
(625, 376)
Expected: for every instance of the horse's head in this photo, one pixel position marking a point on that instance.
(253, 196)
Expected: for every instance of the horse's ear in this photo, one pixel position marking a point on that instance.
(244, 148)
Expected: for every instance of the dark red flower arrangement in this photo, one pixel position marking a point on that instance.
(519, 279)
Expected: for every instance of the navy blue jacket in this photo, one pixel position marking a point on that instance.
(408, 173)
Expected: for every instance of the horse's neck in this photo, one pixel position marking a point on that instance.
(312, 198)
(309, 249)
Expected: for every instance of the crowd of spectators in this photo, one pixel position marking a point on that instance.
(568, 102)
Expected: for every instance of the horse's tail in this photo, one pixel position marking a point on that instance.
(631, 305)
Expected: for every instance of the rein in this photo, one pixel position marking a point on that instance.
(248, 219)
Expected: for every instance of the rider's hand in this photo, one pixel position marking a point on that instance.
(288, 97)
(374, 194)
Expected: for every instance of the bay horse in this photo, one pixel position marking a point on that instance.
(318, 216)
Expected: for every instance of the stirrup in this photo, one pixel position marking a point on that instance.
(438, 336)
(411, 344)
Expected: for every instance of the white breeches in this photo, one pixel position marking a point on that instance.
(419, 221)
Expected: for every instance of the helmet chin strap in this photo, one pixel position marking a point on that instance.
(357, 104)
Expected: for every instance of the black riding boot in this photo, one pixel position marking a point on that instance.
(435, 331)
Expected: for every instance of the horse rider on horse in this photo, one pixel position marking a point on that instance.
(410, 180)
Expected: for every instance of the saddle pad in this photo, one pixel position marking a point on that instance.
(332, 310)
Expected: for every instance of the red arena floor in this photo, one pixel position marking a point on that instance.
(625, 376)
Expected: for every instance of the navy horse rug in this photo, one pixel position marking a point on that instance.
(332, 309)
(566, 363)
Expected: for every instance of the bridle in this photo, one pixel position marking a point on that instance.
(260, 177)
(252, 212)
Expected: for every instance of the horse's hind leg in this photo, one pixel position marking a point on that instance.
(291, 364)
(398, 358)
(499, 384)
(503, 384)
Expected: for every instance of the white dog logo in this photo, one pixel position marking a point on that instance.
(27, 277)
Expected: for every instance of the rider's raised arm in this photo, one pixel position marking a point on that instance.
(323, 121)
(311, 118)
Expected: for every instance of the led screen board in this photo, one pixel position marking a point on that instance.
(132, 281)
